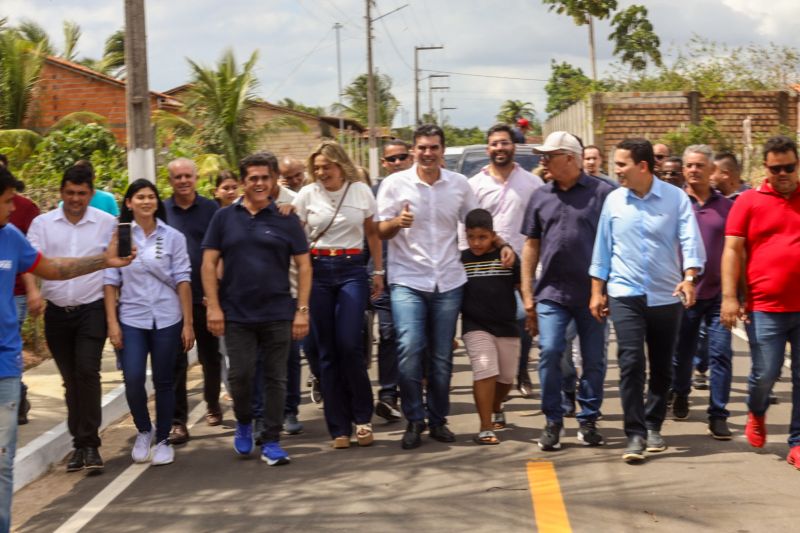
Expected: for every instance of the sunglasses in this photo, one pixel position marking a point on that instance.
(395, 158)
(548, 157)
(776, 169)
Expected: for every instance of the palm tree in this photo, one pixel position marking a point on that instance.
(113, 61)
(511, 110)
(356, 96)
(20, 67)
(221, 100)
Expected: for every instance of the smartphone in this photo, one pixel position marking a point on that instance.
(124, 239)
(682, 296)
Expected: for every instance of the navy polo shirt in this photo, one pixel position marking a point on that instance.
(565, 222)
(256, 250)
(193, 223)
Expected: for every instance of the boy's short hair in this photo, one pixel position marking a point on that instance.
(479, 218)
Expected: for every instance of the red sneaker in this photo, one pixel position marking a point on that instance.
(794, 457)
(756, 431)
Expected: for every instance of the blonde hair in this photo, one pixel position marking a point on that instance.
(334, 153)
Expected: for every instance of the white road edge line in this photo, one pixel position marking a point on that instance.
(95, 506)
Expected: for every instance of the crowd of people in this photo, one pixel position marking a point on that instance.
(672, 252)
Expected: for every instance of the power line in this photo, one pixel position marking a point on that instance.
(391, 40)
(483, 75)
(300, 64)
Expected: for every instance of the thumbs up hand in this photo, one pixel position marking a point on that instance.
(406, 217)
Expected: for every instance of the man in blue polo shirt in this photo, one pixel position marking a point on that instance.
(253, 305)
(647, 254)
(190, 213)
(18, 256)
(560, 223)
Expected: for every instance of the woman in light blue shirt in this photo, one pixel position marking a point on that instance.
(149, 310)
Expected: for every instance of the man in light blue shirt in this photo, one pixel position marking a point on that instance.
(647, 255)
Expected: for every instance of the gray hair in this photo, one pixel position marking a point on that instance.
(703, 149)
(181, 161)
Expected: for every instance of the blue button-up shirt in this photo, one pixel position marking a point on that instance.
(565, 222)
(642, 242)
(148, 296)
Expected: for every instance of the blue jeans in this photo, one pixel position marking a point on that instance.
(9, 397)
(387, 348)
(339, 296)
(162, 345)
(700, 359)
(768, 334)
(720, 354)
(553, 321)
(425, 323)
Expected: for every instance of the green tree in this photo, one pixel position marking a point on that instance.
(635, 42)
(356, 97)
(583, 13)
(511, 110)
(297, 106)
(707, 132)
(220, 102)
(567, 85)
(113, 61)
(20, 67)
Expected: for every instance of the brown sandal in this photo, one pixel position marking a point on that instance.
(364, 434)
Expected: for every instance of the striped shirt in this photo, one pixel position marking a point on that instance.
(489, 303)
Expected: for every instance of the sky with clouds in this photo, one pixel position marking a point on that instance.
(297, 43)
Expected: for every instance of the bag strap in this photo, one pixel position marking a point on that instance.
(333, 218)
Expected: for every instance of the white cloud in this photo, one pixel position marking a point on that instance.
(771, 17)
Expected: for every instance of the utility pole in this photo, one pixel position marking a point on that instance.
(442, 109)
(338, 27)
(416, 78)
(432, 88)
(141, 155)
(373, 145)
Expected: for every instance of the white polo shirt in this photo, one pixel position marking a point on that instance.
(506, 201)
(425, 257)
(55, 236)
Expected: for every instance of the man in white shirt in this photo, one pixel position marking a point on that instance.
(75, 319)
(419, 210)
(504, 188)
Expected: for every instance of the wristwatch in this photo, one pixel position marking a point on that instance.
(690, 278)
(302, 309)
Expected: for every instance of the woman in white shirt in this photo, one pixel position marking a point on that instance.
(337, 209)
(149, 310)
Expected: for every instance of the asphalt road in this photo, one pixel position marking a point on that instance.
(698, 484)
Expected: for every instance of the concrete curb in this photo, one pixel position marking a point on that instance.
(49, 448)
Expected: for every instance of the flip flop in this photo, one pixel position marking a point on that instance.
(486, 438)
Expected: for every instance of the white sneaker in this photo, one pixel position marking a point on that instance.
(163, 453)
(141, 448)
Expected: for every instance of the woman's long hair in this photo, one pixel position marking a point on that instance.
(126, 215)
(334, 152)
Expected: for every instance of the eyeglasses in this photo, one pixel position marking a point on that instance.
(660, 156)
(394, 158)
(548, 157)
(670, 172)
(776, 169)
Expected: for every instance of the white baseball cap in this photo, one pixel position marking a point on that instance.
(559, 140)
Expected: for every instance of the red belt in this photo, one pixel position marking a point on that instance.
(335, 251)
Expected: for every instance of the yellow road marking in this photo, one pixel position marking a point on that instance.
(548, 504)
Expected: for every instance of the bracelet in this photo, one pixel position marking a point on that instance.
(378, 272)
(302, 309)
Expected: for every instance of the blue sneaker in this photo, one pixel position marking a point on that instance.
(274, 455)
(243, 439)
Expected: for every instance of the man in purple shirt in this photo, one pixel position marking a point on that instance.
(711, 210)
(561, 223)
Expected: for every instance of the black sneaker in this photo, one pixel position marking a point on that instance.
(588, 434)
(680, 407)
(94, 463)
(76, 462)
(387, 409)
(411, 438)
(551, 437)
(634, 453)
(718, 429)
(316, 391)
(700, 381)
(441, 433)
(655, 442)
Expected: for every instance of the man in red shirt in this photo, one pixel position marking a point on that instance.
(762, 238)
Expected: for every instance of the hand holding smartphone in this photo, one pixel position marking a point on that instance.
(124, 239)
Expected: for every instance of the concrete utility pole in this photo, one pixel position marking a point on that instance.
(416, 78)
(373, 144)
(432, 88)
(141, 155)
(442, 109)
(338, 27)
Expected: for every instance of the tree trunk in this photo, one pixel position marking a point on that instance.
(590, 20)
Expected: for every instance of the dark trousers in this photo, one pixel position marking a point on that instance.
(387, 348)
(211, 361)
(244, 343)
(161, 345)
(637, 324)
(292, 383)
(76, 339)
(339, 297)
